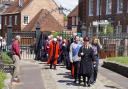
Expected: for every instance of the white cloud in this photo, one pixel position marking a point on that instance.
(68, 4)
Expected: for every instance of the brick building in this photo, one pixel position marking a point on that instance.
(96, 13)
(73, 20)
(21, 13)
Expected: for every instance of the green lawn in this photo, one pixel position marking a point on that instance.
(2, 78)
(122, 60)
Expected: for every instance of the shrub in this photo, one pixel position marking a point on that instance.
(2, 78)
(6, 58)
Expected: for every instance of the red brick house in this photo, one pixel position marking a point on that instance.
(94, 12)
(73, 20)
(20, 15)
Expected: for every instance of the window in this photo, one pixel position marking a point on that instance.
(0, 19)
(98, 7)
(10, 20)
(108, 6)
(16, 19)
(26, 19)
(119, 28)
(0, 22)
(77, 20)
(127, 28)
(127, 7)
(90, 7)
(119, 6)
(73, 21)
(5, 20)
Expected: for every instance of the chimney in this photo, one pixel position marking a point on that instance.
(21, 3)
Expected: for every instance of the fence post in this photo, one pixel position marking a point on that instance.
(9, 35)
(38, 32)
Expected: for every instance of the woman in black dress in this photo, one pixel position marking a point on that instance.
(87, 59)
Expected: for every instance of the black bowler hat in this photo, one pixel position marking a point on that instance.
(86, 39)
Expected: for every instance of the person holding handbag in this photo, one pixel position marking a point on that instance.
(87, 59)
(96, 46)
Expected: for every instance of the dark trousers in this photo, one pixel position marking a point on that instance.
(96, 69)
(88, 76)
(76, 69)
(51, 64)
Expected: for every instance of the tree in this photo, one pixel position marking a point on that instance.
(109, 29)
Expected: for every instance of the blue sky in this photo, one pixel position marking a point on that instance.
(69, 4)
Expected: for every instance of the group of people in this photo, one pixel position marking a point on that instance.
(78, 54)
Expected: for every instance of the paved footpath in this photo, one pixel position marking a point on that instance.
(30, 77)
(61, 79)
(37, 75)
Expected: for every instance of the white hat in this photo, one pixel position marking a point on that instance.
(51, 36)
(1, 38)
(55, 39)
(74, 34)
(17, 37)
(81, 39)
(61, 38)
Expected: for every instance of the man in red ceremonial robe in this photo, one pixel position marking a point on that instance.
(53, 53)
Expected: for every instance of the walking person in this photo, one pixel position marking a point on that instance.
(87, 60)
(53, 53)
(16, 58)
(74, 59)
(96, 46)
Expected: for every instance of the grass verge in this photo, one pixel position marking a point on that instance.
(121, 60)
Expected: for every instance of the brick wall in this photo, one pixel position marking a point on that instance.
(83, 13)
(14, 27)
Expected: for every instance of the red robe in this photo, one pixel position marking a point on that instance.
(50, 52)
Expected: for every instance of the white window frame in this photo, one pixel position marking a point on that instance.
(127, 7)
(98, 12)
(119, 29)
(127, 29)
(118, 6)
(16, 19)
(73, 21)
(5, 20)
(0, 21)
(91, 8)
(108, 7)
(25, 23)
(77, 20)
(10, 20)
